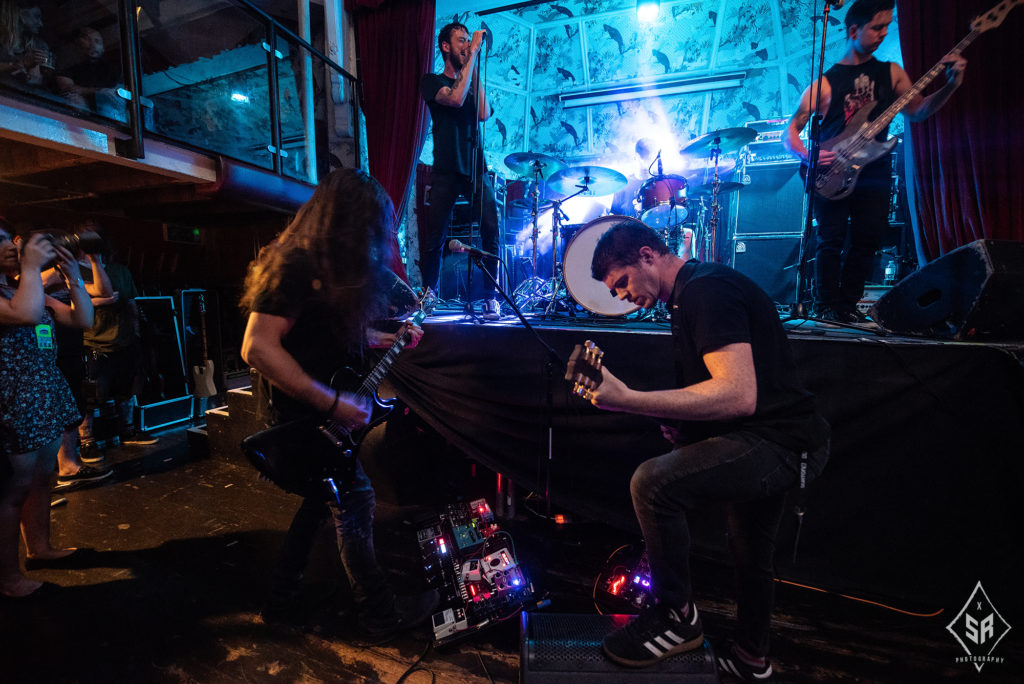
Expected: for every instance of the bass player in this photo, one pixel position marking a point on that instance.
(311, 295)
(858, 80)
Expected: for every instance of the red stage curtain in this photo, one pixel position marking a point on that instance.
(395, 47)
(968, 177)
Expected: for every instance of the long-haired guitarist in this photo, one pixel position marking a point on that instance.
(858, 80)
(742, 429)
(311, 296)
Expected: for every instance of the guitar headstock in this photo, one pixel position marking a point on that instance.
(584, 369)
(994, 17)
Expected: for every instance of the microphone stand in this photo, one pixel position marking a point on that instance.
(476, 204)
(801, 308)
(553, 360)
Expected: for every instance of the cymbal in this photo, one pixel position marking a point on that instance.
(705, 190)
(526, 163)
(730, 140)
(599, 180)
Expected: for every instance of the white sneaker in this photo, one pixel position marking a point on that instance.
(492, 309)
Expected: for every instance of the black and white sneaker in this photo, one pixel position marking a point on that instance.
(730, 663)
(657, 633)
(138, 438)
(87, 476)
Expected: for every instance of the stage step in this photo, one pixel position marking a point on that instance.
(562, 648)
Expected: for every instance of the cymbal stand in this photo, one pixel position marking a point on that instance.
(530, 291)
(557, 283)
(712, 251)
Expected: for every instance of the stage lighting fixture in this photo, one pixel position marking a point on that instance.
(647, 10)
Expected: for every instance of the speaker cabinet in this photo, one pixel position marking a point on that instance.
(770, 261)
(566, 649)
(772, 201)
(974, 292)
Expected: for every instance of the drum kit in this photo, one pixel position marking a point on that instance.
(664, 202)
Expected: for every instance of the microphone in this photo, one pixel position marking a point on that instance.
(457, 246)
(836, 4)
(660, 170)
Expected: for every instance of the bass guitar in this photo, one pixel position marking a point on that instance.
(856, 146)
(315, 456)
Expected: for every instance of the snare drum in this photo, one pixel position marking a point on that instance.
(592, 295)
(662, 201)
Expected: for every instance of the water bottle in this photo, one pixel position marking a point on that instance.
(890, 273)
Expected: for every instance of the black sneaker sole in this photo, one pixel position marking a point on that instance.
(689, 645)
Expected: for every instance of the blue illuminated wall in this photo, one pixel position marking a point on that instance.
(540, 52)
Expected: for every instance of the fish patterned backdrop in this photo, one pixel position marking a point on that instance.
(541, 52)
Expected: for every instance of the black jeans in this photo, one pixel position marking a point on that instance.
(862, 217)
(353, 524)
(749, 474)
(444, 190)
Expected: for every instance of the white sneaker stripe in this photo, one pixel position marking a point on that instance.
(674, 637)
(650, 647)
(663, 643)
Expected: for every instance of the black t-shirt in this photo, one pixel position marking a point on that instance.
(712, 306)
(316, 341)
(454, 128)
(854, 86)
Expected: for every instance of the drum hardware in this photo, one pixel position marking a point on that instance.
(712, 145)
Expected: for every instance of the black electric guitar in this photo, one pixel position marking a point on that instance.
(584, 369)
(314, 456)
(856, 146)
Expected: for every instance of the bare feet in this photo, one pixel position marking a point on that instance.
(19, 587)
(52, 554)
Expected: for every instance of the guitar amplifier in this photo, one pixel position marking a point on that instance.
(767, 149)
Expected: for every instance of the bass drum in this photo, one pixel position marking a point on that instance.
(592, 294)
(662, 201)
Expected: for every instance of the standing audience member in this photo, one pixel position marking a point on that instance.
(75, 469)
(115, 352)
(35, 403)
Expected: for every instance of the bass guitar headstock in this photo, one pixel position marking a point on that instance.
(994, 17)
(584, 369)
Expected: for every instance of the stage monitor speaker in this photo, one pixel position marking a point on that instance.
(974, 292)
(772, 202)
(566, 649)
(771, 262)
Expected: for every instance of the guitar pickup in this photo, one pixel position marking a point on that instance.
(331, 434)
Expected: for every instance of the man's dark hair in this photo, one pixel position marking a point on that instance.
(620, 246)
(862, 11)
(445, 36)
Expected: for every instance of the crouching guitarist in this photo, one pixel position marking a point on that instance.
(310, 296)
(858, 84)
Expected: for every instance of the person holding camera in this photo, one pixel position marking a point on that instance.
(36, 404)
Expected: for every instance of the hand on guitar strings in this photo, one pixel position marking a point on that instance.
(378, 339)
(955, 65)
(350, 411)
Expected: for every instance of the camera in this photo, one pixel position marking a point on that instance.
(86, 241)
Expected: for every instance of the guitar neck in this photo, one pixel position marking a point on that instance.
(903, 100)
(380, 371)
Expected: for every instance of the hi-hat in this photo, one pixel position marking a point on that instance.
(527, 163)
(728, 139)
(598, 180)
(707, 189)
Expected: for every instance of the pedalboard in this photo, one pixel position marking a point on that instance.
(472, 564)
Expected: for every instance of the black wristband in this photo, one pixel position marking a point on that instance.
(330, 411)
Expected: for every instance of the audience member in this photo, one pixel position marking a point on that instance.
(92, 82)
(35, 402)
(24, 55)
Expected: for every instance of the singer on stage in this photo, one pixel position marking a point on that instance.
(457, 104)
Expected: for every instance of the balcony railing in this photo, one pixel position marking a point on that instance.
(216, 75)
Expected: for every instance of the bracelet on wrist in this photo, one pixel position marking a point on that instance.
(334, 404)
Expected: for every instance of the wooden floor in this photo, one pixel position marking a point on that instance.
(183, 546)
